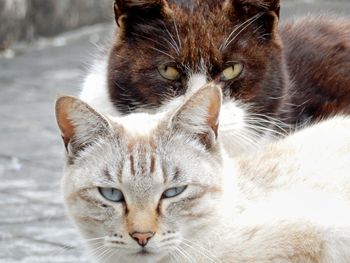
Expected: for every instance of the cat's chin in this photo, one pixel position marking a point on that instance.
(142, 255)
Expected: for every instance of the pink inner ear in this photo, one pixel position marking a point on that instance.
(213, 112)
(66, 126)
(64, 123)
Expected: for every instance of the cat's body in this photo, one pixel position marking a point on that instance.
(170, 193)
(281, 77)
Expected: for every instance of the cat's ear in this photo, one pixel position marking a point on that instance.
(199, 115)
(131, 13)
(263, 13)
(80, 125)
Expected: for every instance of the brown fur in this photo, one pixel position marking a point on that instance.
(318, 57)
(312, 55)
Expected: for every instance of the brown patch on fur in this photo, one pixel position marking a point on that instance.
(153, 163)
(132, 165)
(190, 34)
(318, 57)
(308, 246)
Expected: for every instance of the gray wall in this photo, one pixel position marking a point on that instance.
(25, 20)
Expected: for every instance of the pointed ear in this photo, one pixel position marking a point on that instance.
(264, 12)
(199, 115)
(80, 125)
(129, 14)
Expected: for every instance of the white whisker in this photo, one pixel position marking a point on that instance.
(110, 255)
(102, 254)
(256, 17)
(163, 52)
(209, 254)
(245, 24)
(172, 42)
(177, 34)
(185, 255)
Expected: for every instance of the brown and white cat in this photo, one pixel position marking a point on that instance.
(167, 192)
(272, 77)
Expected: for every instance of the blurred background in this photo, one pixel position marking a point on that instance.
(46, 48)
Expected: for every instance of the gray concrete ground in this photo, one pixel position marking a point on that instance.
(33, 225)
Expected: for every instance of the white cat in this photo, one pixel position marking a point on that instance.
(168, 192)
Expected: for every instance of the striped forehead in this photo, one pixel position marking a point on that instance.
(143, 161)
(142, 157)
(143, 171)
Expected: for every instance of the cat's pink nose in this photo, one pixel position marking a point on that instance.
(142, 238)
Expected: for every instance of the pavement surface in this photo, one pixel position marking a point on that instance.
(33, 224)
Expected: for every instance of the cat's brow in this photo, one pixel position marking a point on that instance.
(175, 175)
(165, 174)
(108, 176)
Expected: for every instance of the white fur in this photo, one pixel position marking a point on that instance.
(94, 89)
(195, 82)
(287, 202)
(140, 123)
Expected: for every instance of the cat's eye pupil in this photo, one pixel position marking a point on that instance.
(172, 192)
(111, 194)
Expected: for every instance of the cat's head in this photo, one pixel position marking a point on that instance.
(141, 192)
(166, 48)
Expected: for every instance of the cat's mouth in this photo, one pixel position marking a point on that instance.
(144, 252)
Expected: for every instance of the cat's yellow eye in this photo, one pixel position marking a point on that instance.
(169, 72)
(231, 72)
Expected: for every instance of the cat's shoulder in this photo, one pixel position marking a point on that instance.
(311, 152)
(316, 38)
(315, 27)
(317, 53)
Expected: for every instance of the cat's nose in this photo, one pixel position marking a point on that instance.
(142, 238)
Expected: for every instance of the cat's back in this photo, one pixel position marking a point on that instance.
(318, 58)
(314, 157)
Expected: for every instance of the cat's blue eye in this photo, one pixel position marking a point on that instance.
(111, 194)
(172, 192)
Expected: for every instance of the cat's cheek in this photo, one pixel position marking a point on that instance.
(95, 220)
